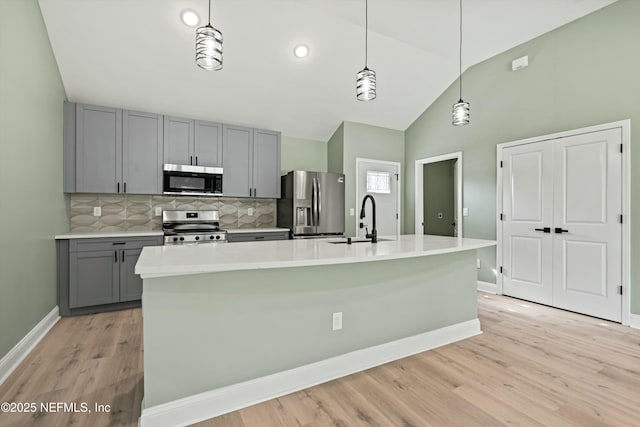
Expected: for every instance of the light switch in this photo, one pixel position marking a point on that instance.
(465, 211)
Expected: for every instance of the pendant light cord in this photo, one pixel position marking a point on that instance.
(460, 56)
(366, 32)
(209, 12)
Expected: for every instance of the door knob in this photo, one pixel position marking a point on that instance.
(545, 229)
(559, 230)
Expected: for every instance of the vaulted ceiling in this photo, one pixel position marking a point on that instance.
(138, 54)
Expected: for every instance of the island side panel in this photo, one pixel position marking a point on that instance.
(202, 332)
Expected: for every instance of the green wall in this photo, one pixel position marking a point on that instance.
(369, 142)
(582, 74)
(438, 197)
(303, 154)
(31, 96)
(335, 151)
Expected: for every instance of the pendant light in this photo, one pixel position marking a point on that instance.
(460, 115)
(209, 46)
(366, 79)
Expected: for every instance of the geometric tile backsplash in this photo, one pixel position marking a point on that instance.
(122, 212)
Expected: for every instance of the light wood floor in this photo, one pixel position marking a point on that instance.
(533, 366)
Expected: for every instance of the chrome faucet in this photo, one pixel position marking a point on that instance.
(374, 233)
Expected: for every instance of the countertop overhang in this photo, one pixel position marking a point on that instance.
(180, 260)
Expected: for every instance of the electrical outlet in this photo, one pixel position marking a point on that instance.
(478, 263)
(158, 211)
(250, 211)
(337, 321)
(97, 211)
(352, 212)
(465, 211)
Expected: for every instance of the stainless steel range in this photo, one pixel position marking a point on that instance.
(192, 227)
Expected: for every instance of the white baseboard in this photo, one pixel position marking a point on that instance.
(199, 407)
(489, 287)
(634, 320)
(21, 350)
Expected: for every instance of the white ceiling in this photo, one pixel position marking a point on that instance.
(137, 54)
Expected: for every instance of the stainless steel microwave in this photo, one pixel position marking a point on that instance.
(191, 180)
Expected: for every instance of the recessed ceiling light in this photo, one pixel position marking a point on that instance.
(190, 18)
(300, 51)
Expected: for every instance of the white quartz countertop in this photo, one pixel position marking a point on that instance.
(179, 260)
(103, 234)
(256, 230)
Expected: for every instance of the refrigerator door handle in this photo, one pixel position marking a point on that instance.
(319, 202)
(313, 201)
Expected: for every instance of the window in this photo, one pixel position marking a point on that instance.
(378, 182)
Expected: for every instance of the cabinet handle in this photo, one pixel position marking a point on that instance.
(544, 230)
(249, 191)
(122, 255)
(118, 187)
(115, 253)
(191, 160)
(125, 187)
(559, 230)
(259, 237)
(196, 160)
(119, 243)
(254, 192)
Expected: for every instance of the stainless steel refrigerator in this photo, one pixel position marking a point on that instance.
(312, 204)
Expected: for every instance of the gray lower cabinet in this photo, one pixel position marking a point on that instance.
(258, 236)
(251, 162)
(192, 142)
(108, 150)
(99, 274)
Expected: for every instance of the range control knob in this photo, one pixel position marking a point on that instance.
(181, 239)
(197, 237)
(211, 237)
(218, 237)
(175, 239)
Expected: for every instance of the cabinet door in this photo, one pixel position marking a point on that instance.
(236, 179)
(99, 149)
(266, 164)
(208, 144)
(130, 282)
(178, 141)
(142, 153)
(93, 278)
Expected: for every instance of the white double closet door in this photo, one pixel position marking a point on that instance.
(561, 228)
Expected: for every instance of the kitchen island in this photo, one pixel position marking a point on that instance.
(230, 325)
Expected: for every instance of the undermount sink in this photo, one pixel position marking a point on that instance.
(359, 240)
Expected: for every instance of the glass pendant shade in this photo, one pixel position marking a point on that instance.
(209, 48)
(460, 115)
(366, 85)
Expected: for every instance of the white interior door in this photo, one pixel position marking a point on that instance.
(561, 232)
(527, 221)
(587, 250)
(380, 180)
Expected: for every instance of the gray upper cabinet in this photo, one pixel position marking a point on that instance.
(142, 153)
(266, 164)
(208, 144)
(251, 162)
(98, 149)
(108, 150)
(178, 140)
(192, 142)
(236, 161)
